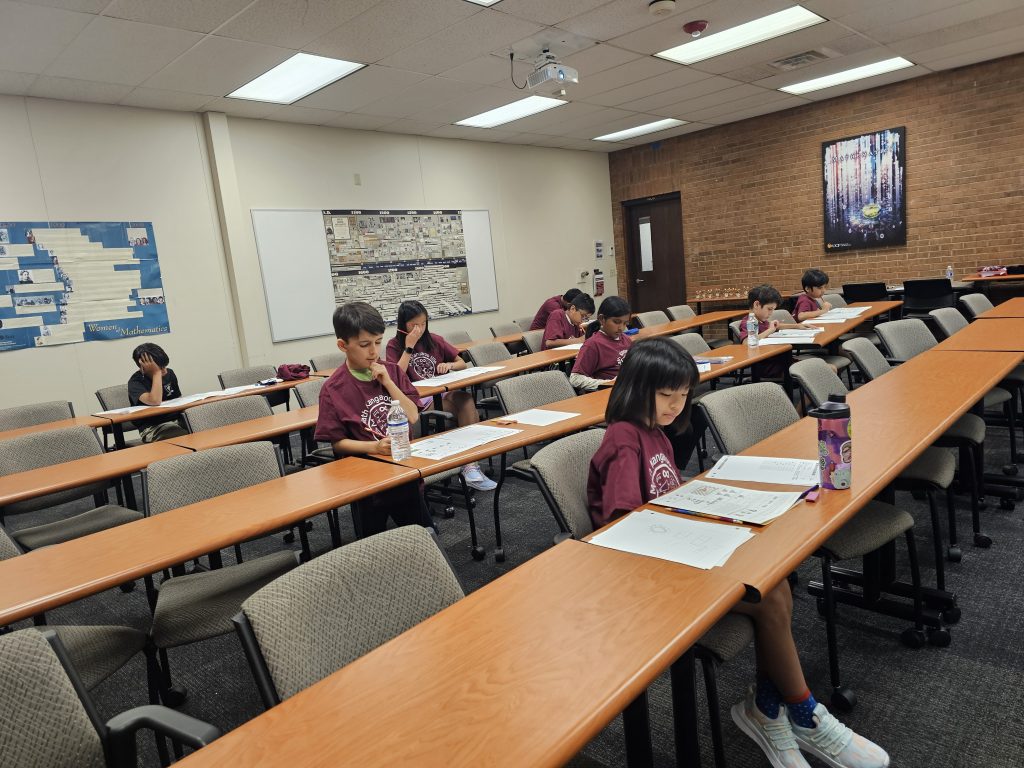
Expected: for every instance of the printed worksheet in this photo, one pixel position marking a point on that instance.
(727, 502)
(187, 400)
(767, 469)
(572, 346)
(458, 440)
(537, 417)
(119, 411)
(453, 376)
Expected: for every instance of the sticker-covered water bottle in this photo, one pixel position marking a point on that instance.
(835, 444)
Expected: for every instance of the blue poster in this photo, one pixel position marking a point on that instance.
(68, 282)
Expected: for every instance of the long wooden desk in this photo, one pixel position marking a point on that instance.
(1010, 308)
(678, 326)
(93, 422)
(526, 669)
(996, 335)
(832, 331)
(53, 576)
(265, 428)
(974, 277)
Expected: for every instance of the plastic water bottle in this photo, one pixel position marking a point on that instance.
(949, 272)
(752, 331)
(398, 431)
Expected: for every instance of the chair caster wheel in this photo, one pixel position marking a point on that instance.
(983, 541)
(472, 501)
(499, 555)
(951, 615)
(1006, 504)
(843, 699)
(174, 696)
(478, 553)
(289, 538)
(913, 638)
(449, 513)
(954, 554)
(1010, 470)
(128, 586)
(939, 638)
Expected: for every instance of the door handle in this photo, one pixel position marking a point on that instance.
(639, 280)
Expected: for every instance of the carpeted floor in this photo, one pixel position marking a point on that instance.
(930, 708)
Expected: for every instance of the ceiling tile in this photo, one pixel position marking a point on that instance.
(361, 88)
(599, 58)
(747, 108)
(375, 34)
(15, 83)
(240, 107)
(432, 92)
(118, 51)
(990, 46)
(776, 48)
(295, 114)
(689, 106)
(153, 98)
(864, 85)
(292, 23)
(473, 36)
(218, 66)
(465, 104)
(679, 130)
(194, 15)
(678, 77)
(620, 17)
(409, 126)
(77, 90)
(688, 92)
(576, 110)
(827, 67)
(710, 113)
(587, 145)
(358, 122)
(489, 70)
(84, 6)
(949, 24)
(545, 11)
(472, 134)
(617, 77)
(31, 37)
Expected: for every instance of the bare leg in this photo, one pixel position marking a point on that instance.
(777, 657)
(463, 407)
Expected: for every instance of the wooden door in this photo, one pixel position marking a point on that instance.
(654, 252)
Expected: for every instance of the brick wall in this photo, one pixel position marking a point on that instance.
(751, 191)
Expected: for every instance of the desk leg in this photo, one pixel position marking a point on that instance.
(129, 492)
(637, 726)
(684, 711)
(118, 430)
(499, 551)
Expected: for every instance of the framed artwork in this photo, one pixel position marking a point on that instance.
(864, 190)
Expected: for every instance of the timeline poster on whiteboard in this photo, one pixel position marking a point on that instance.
(68, 282)
(385, 257)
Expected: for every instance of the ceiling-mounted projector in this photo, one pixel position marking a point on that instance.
(555, 73)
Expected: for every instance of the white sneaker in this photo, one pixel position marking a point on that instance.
(476, 479)
(773, 735)
(837, 745)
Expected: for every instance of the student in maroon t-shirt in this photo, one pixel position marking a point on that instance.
(763, 300)
(553, 304)
(602, 353)
(634, 465)
(423, 355)
(566, 327)
(354, 405)
(809, 304)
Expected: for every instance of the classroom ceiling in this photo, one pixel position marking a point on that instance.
(433, 62)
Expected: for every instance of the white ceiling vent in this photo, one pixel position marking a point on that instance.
(799, 60)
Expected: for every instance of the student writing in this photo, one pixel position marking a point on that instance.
(810, 303)
(554, 304)
(566, 327)
(602, 353)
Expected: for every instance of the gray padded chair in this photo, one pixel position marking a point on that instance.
(327, 613)
(327, 361)
(743, 416)
(949, 321)
(835, 299)
(49, 719)
(505, 329)
(524, 323)
(45, 449)
(654, 317)
(112, 398)
(35, 413)
(199, 606)
(533, 340)
(486, 354)
(692, 342)
(220, 413)
(457, 337)
(734, 330)
(680, 312)
(839, 361)
(238, 377)
(974, 304)
(308, 394)
(561, 470)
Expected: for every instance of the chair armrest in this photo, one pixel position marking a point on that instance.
(560, 537)
(178, 726)
(716, 343)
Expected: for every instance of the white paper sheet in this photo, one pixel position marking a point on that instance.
(714, 360)
(844, 312)
(767, 469)
(458, 440)
(538, 417)
(186, 400)
(119, 411)
(775, 340)
(826, 320)
(450, 378)
(795, 332)
(240, 388)
(571, 346)
(727, 502)
(667, 537)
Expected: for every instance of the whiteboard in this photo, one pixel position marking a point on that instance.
(296, 269)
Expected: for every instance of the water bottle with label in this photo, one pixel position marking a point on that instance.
(949, 272)
(752, 331)
(398, 431)
(835, 443)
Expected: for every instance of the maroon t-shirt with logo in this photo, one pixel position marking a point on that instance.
(351, 409)
(540, 320)
(804, 303)
(632, 466)
(559, 327)
(601, 357)
(773, 367)
(423, 362)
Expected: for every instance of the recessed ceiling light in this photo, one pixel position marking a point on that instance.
(849, 75)
(756, 31)
(485, 3)
(295, 78)
(640, 130)
(517, 110)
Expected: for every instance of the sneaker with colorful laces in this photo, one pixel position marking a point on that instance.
(837, 745)
(773, 735)
(476, 479)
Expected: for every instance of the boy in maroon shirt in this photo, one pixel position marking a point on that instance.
(566, 327)
(353, 416)
(809, 304)
(553, 304)
(606, 346)
(763, 300)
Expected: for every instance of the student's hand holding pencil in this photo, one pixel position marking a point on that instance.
(383, 446)
(380, 373)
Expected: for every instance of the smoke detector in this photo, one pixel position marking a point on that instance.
(661, 7)
(695, 28)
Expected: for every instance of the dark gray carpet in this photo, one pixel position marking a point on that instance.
(932, 707)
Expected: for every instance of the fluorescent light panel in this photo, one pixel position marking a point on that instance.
(484, 3)
(640, 130)
(848, 76)
(295, 78)
(756, 31)
(517, 110)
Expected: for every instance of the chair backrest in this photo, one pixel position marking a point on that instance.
(36, 413)
(817, 380)
(182, 480)
(308, 392)
(783, 316)
(949, 320)
(327, 361)
(533, 390)
(654, 317)
(45, 722)
(925, 295)
(741, 416)
(238, 377)
(456, 337)
(853, 292)
(505, 329)
(734, 330)
(330, 611)
(835, 299)
(223, 412)
(563, 468)
(692, 343)
(680, 312)
(524, 323)
(492, 352)
(905, 338)
(975, 304)
(113, 397)
(865, 355)
(45, 449)
(8, 548)
(533, 340)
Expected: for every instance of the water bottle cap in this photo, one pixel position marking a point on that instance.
(394, 401)
(838, 397)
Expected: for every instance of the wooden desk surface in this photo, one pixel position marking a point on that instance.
(510, 338)
(516, 365)
(53, 576)
(678, 326)
(249, 431)
(834, 330)
(1001, 334)
(72, 474)
(526, 670)
(742, 357)
(94, 422)
(1010, 308)
(120, 418)
(974, 277)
